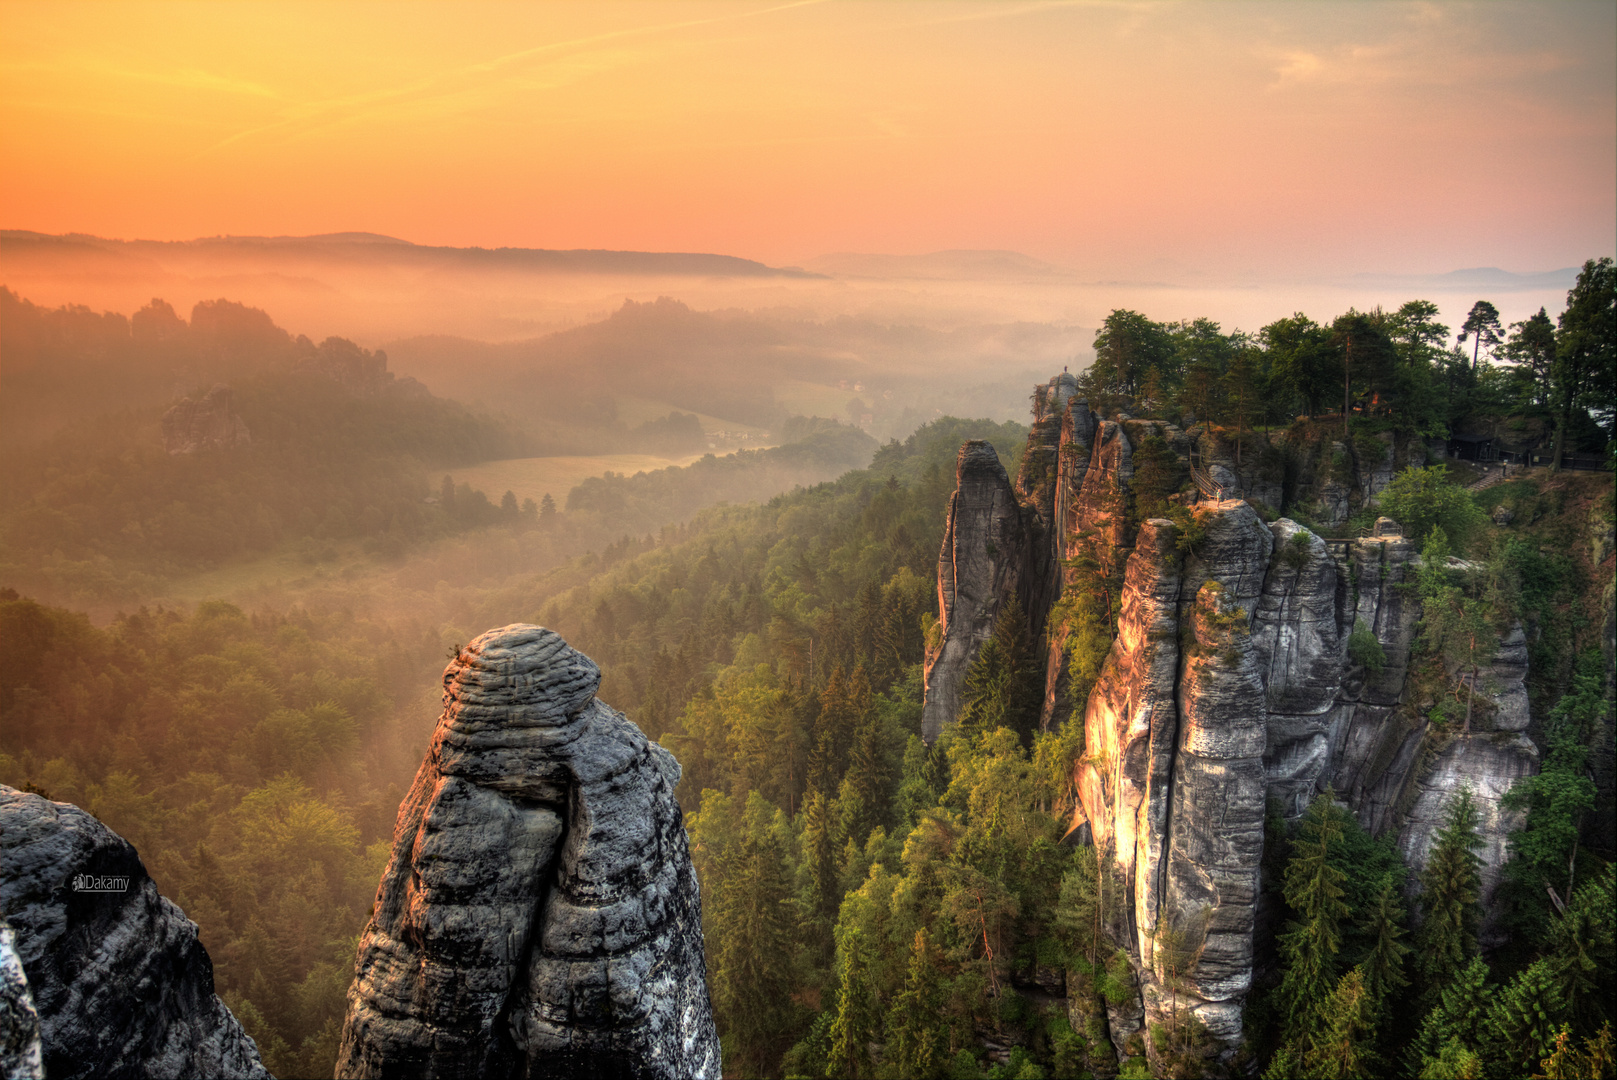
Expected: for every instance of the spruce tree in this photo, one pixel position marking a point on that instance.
(1311, 941)
(1384, 967)
(1523, 1021)
(1458, 1019)
(1583, 953)
(1450, 886)
(858, 1020)
(917, 1038)
(1341, 1044)
(820, 850)
(752, 956)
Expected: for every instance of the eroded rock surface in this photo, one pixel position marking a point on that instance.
(1486, 765)
(1250, 662)
(121, 985)
(203, 423)
(988, 548)
(22, 1057)
(539, 915)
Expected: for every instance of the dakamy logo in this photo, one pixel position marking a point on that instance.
(99, 883)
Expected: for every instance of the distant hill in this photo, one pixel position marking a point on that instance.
(21, 246)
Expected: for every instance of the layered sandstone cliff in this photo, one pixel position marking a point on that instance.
(540, 915)
(1230, 683)
(120, 985)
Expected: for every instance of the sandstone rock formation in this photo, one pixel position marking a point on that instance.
(540, 915)
(989, 541)
(1230, 681)
(121, 984)
(195, 425)
(21, 1055)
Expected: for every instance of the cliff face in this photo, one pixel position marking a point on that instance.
(120, 984)
(991, 551)
(540, 914)
(207, 422)
(1230, 680)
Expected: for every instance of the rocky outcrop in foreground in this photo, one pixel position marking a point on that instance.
(203, 423)
(121, 985)
(22, 1057)
(540, 915)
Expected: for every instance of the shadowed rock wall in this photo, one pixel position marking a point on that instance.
(121, 985)
(539, 915)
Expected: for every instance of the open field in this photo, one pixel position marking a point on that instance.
(816, 399)
(635, 411)
(531, 478)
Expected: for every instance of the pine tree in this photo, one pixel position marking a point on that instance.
(1450, 885)
(1458, 1019)
(917, 1037)
(1384, 967)
(1523, 1021)
(1597, 1058)
(1583, 953)
(752, 956)
(833, 731)
(820, 849)
(870, 774)
(1311, 941)
(1345, 1032)
(858, 1020)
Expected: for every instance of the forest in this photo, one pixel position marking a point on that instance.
(872, 906)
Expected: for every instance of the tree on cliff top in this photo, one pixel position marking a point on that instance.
(1128, 348)
(1483, 329)
(1586, 351)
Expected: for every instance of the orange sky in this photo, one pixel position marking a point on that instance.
(1260, 140)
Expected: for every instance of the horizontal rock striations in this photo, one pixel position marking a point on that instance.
(540, 915)
(121, 985)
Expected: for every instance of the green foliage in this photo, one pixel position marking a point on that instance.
(1311, 941)
(1365, 649)
(1596, 1058)
(1341, 1047)
(1156, 476)
(1524, 1020)
(1423, 498)
(1447, 938)
(256, 763)
(1455, 1026)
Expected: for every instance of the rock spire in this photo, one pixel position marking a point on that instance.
(540, 915)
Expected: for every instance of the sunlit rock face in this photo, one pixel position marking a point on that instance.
(120, 984)
(539, 915)
(1231, 682)
(203, 423)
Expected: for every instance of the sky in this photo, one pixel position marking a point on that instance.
(1171, 140)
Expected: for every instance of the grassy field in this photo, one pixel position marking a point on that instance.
(532, 478)
(635, 411)
(816, 399)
